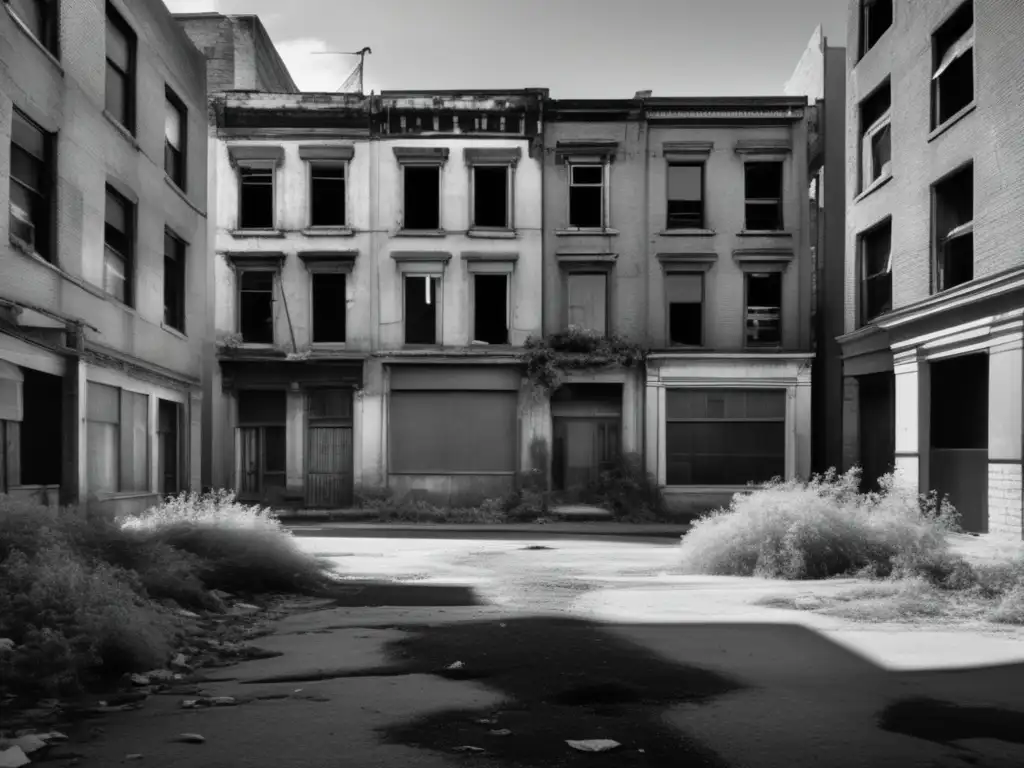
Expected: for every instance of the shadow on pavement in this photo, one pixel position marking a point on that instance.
(369, 594)
(945, 721)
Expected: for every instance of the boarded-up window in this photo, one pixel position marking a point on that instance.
(438, 432)
(117, 436)
(724, 437)
(685, 297)
(587, 301)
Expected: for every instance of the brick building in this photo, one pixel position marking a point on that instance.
(103, 291)
(934, 327)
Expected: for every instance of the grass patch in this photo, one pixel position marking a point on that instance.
(84, 596)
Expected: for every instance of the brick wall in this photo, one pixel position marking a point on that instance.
(213, 35)
(1005, 501)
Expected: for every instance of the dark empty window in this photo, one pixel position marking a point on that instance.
(256, 197)
(31, 181)
(764, 309)
(954, 228)
(685, 297)
(875, 135)
(953, 64)
(327, 195)
(586, 196)
(120, 85)
(118, 241)
(174, 282)
(763, 184)
(40, 17)
(685, 196)
(262, 443)
(490, 196)
(490, 313)
(256, 306)
(422, 311)
(328, 307)
(875, 19)
(175, 126)
(876, 272)
(422, 197)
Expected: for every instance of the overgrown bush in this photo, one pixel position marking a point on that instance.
(548, 358)
(627, 491)
(821, 528)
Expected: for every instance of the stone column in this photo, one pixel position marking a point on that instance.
(631, 410)
(73, 481)
(295, 433)
(913, 417)
(194, 463)
(654, 432)
(802, 423)
(851, 423)
(1005, 424)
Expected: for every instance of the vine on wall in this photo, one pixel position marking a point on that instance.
(549, 358)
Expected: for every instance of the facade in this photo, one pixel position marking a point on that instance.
(103, 296)
(820, 75)
(681, 224)
(934, 327)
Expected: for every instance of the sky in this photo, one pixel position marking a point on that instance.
(576, 48)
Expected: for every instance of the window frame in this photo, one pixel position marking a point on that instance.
(571, 164)
(702, 276)
(50, 40)
(182, 257)
(275, 277)
(510, 226)
(864, 29)
(437, 299)
(262, 167)
(606, 274)
(119, 459)
(420, 157)
(486, 265)
(866, 143)
(173, 101)
(313, 274)
(131, 225)
(312, 164)
(939, 242)
(863, 278)
(779, 201)
(759, 272)
(702, 165)
(44, 195)
(937, 68)
(118, 21)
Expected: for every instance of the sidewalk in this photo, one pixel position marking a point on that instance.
(327, 527)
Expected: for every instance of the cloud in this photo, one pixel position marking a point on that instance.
(193, 6)
(313, 71)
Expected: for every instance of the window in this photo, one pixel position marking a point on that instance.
(490, 309)
(876, 272)
(422, 309)
(875, 136)
(685, 197)
(256, 201)
(875, 19)
(954, 229)
(120, 98)
(588, 301)
(256, 306)
(31, 181)
(764, 309)
(40, 17)
(422, 196)
(329, 307)
(118, 247)
(724, 437)
(175, 131)
(174, 282)
(491, 196)
(586, 196)
(262, 447)
(953, 65)
(117, 433)
(763, 195)
(327, 194)
(685, 296)
(168, 448)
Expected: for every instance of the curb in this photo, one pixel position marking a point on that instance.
(624, 530)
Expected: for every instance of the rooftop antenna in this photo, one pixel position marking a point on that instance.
(357, 73)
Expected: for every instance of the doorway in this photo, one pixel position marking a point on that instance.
(587, 429)
(329, 448)
(168, 448)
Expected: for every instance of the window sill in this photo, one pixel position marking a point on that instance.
(422, 347)
(493, 234)
(20, 245)
(694, 232)
(941, 129)
(583, 231)
(328, 232)
(777, 347)
(421, 233)
(881, 181)
(242, 233)
(125, 133)
(35, 40)
(764, 233)
(174, 331)
(182, 194)
(675, 347)
(328, 346)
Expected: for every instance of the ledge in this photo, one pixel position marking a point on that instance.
(243, 233)
(484, 256)
(603, 232)
(576, 260)
(421, 155)
(774, 259)
(764, 233)
(125, 133)
(258, 259)
(328, 232)
(256, 155)
(421, 256)
(691, 261)
(687, 233)
(326, 151)
(956, 118)
(323, 261)
(174, 331)
(493, 234)
(878, 183)
(496, 156)
(599, 149)
(182, 194)
(35, 40)
(762, 147)
(420, 233)
(687, 150)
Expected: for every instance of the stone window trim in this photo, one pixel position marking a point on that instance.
(687, 151)
(329, 261)
(267, 261)
(421, 262)
(687, 262)
(586, 262)
(336, 152)
(763, 259)
(495, 263)
(507, 157)
(768, 149)
(496, 156)
(258, 156)
(595, 151)
(421, 155)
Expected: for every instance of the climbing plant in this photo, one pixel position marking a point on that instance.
(548, 358)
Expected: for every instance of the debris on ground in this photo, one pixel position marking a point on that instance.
(593, 745)
(191, 738)
(133, 756)
(28, 743)
(808, 602)
(6, 644)
(13, 757)
(179, 661)
(456, 665)
(139, 680)
(500, 732)
(468, 749)
(209, 701)
(245, 608)
(187, 614)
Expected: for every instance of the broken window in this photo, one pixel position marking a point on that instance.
(256, 306)
(875, 136)
(876, 272)
(764, 309)
(953, 65)
(117, 251)
(685, 196)
(491, 305)
(954, 228)
(120, 84)
(31, 174)
(174, 282)
(587, 301)
(175, 126)
(327, 195)
(117, 436)
(685, 296)
(422, 309)
(875, 19)
(763, 185)
(256, 197)
(329, 307)
(586, 196)
(490, 196)
(262, 442)
(40, 18)
(422, 197)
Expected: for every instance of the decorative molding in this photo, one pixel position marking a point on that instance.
(690, 262)
(259, 155)
(762, 147)
(594, 260)
(329, 261)
(255, 259)
(767, 259)
(421, 155)
(496, 156)
(326, 151)
(470, 256)
(421, 256)
(719, 114)
(687, 150)
(592, 150)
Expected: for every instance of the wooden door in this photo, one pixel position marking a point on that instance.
(329, 448)
(584, 447)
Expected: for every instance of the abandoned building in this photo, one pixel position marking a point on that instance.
(103, 304)
(934, 328)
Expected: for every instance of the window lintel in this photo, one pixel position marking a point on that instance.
(421, 155)
(687, 262)
(495, 156)
(763, 259)
(329, 261)
(259, 156)
(337, 152)
(270, 261)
